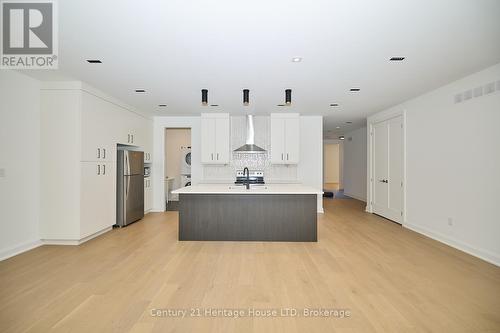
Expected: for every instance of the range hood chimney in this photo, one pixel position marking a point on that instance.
(250, 146)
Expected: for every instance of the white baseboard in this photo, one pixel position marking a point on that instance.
(75, 241)
(14, 251)
(485, 255)
(357, 197)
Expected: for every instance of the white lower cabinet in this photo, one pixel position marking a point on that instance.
(97, 197)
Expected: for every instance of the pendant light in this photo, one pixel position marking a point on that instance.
(288, 96)
(204, 97)
(246, 96)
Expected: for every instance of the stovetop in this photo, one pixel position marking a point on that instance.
(255, 177)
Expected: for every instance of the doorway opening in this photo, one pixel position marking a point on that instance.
(333, 152)
(177, 164)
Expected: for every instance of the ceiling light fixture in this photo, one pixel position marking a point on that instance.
(338, 127)
(94, 61)
(162, 105)
(204, 97)
(296, 59)
(140, 91)
(214, 104)
(280, 105)
(355, 89)
(334, 104)
(246, 96)
(288, 96)
(341, 137)
(397, 59)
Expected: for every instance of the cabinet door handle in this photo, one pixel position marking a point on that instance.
(103, 152)
(98, 152)
(98, 169)
(128, 140)
(212, 156)
(132, 138)
(282, 156)
(104, 169)
(217, 156)
(287, 156)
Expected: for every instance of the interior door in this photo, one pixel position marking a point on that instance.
(395, 172)
(387, 196)
(380, 168)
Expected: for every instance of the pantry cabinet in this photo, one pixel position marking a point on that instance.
(285, 138)
(79, 192)
(215, 138)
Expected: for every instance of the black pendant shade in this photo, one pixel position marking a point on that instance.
(246, 96)
(288, 96)
(204, 96)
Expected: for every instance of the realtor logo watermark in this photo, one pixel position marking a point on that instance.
(29, 34)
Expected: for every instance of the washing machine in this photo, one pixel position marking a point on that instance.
(185, 180)
(186, 161)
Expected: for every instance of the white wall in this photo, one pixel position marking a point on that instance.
(310, 169)
(20, 160)
(355, 164)
(453, 165)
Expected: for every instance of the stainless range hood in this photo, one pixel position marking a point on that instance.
(249, 146)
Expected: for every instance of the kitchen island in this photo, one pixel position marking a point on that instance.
(223, 212)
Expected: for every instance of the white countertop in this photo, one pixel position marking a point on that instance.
(259, 189)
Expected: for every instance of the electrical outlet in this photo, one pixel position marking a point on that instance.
(450, 221)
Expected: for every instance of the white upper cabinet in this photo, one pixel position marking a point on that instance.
(97, 139)
(215, 138)
(285, 138)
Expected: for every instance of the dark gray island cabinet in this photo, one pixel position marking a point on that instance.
(286, 213)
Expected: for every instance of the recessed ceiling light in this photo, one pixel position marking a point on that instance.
(338, 127)
(280, 105)
(296, 59)
(214, 104)
(162, 105)
(94, 61)
(348, 122)
(140, 91)
(334, 104)
(341, 137)
(397, 59)
(355, 89)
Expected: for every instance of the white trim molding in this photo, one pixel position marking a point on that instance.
(14, 251)
(485, 255)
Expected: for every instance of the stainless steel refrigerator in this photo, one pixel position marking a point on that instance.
(130, 187)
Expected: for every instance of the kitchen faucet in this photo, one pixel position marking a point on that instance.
(247, 184)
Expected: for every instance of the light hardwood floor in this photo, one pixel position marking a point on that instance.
(389, 278)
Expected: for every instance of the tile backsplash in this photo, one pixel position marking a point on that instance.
(272, 173)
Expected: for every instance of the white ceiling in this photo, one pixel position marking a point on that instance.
(173, 49)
